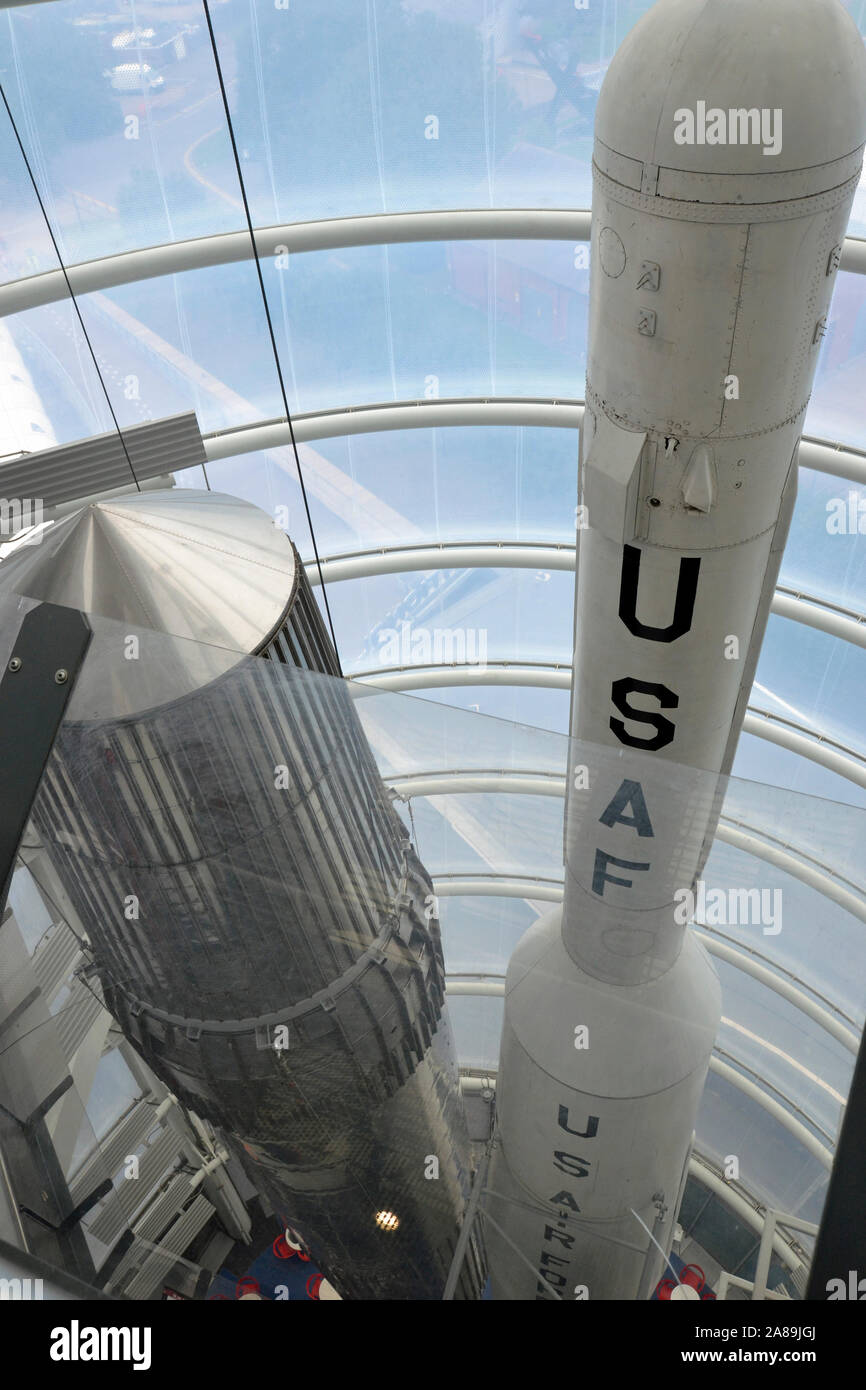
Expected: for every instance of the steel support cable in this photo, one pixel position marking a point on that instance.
(62, 265)
(268, 319)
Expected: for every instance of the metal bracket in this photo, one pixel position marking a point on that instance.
(34, 692)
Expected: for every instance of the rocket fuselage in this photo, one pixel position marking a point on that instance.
(258, 920)
(713, 262)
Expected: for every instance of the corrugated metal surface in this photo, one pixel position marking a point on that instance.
(55, 958)
(129, 1134)
(75, 1019)
(132, 1192)
(103, 462)
(163, 1208)
(159, 1261)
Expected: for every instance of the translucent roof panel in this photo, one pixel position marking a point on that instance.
(477, 1024)
(162, 346)
(426, 486)
(835, 410)
(124, 159)
(463, 318)
(430, 104)
(392, 620)
(354, 326)
(825, 553)
(814, 679)
(764, 761)
(781, 1171)
(766, 1033)
(819, 939)
(533, 705)
(483, 833)
(479, 933)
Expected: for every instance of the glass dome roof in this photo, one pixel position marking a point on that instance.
(418, 176)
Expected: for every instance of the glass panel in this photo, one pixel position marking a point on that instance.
(763, 761)
(426, 486)
(233, 837)
(834, 410)
(814, 679)
(338, 111)
(479, 934)
(393, 620)
(465, 318)
(825, 553)
(123, 126)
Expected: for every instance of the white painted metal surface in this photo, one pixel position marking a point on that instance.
(712, 270)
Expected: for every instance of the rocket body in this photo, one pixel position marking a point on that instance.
(728, 145)
(257, 917)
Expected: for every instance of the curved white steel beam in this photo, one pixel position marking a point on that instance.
(470, 781)
(822, 455)
(790, 1122)
(324, 234)
(498, 886)
(838, 460)
(854, 255)
(740, 836)
(546, 674)
(363, 564)
(820, 613)
(798, 606)
(425, 414)
(775, 979)
(846, 762)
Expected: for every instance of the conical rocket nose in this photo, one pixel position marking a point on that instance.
(192, 564)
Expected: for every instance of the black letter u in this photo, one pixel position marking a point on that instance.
(591, 1125)
(684, 606)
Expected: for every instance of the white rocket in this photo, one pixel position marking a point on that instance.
(728, 145)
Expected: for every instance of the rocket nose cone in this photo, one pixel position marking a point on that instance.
(802, 58)
(192, 564)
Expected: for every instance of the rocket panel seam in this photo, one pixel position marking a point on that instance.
(594, 1095)
(656, 435)
(341, 985)
(699, 177)
(726, 213)
(734, 319)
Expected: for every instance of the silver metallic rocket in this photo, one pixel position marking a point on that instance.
(258, 920)
(728, 145)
